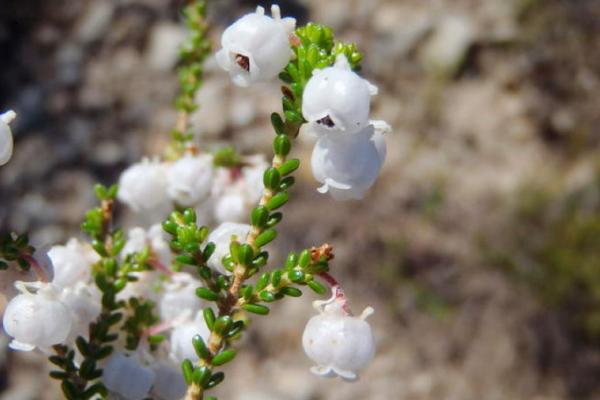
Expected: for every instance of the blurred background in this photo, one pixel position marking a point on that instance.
(479, 246)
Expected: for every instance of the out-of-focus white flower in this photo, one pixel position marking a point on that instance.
(221, 237)
(84, 303)
(143, 186)
(169, 383)
(182, 335)
(179, 297)
(337, 100)
(347, 165)
(154, 238)
(72, 263)
(126, 376)
(189, 179)
(6, 138)
(147, 286)
(236, 192)
(339, 343)
(36, 317)
(256, 47)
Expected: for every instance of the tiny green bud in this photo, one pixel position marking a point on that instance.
(189, 216)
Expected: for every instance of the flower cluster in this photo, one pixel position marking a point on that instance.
(117, 315)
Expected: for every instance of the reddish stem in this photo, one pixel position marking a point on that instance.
(337, 290)
(40, 272)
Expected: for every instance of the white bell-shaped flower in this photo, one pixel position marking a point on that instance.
(189, 179)
(347, 165)
(179, 297)
(143, 186)
(36, 317)
(256, 47)
(221, 237)
(6, 138)
(72, 263)
(337, 100)
(182, 335)
(169, 383)
(337, 342)
(126, 376)
(84, 303)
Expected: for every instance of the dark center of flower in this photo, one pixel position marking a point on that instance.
(243, 62)
(327, 121)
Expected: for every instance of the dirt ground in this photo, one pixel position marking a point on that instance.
(484, 96)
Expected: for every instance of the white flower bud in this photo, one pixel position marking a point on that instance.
(142, 186)
(231, 207)
(337, 100)
(179, 297)
(169, 383)
(6, 138)
(256, 47)
(84, 303)
(221, 237)
(37, 319)
(72, 263)
(347, 165)
(182, 335)
(126, 376)
(340, 344)
(189, 179)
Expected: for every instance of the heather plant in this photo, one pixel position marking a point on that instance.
(155, 312)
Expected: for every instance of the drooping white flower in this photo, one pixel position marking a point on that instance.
(182, 335)
(337, 342)
(189, 179)
(169, 383)
(337, 100)
(84, 303)
(179, 297)
(126, 376)
(143, 186)
(6, 138)
(72, 263)
(347, 165)
(36, 317)
(256, 47)
(221, 237)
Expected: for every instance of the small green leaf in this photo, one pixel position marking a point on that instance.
(267, 296)
(271, 178)
(207, 294)
(277, 123)
(317, 287)
(201, 376)
(256, 309)
(266, 237)
(305, 259)
(200, 347)
(291, 261)
(282, 145)
(278, 200)
(259, 216)
(291, 291)
(209, 317)
(223, 357)
(245, 254)
(222, 324)
(289, 166)
(276, 277)
(215, 380)
(296, 276)
(187, 368)
(263, 281)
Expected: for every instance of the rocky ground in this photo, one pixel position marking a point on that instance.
(485, 97)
